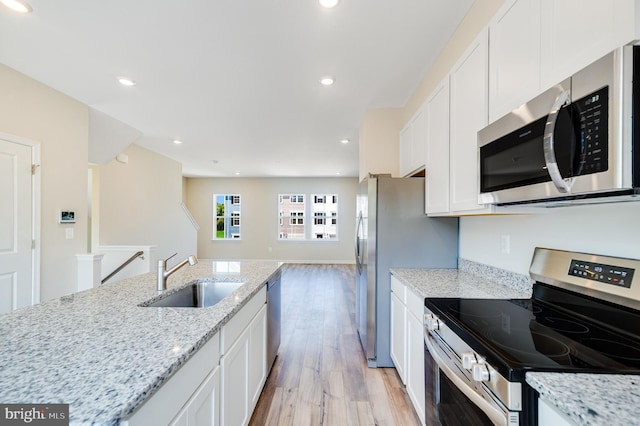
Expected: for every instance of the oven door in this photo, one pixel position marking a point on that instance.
(452, 397)
(566, 143)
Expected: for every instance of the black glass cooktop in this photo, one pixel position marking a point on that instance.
(519, 335)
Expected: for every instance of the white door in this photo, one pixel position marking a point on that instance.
(16, 256)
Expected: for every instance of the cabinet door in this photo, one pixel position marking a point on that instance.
(578, 32)
(398, 335)
(204, 407)
(257, 356)
(405, 150)
(235, 383)
(469, 104)
(514, 56)
(437, 150)
(415, 364)
(412, 144)
(418, 140)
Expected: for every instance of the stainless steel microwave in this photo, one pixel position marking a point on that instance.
(574, 143)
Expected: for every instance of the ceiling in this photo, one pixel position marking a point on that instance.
(237, 81)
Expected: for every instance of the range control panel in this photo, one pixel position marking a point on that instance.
(608, 274)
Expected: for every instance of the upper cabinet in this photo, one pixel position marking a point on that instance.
(575, 33)
(468, 114)
(437, 150)
(514, 56)
(455, 111)
(535, 44)
(412, 144)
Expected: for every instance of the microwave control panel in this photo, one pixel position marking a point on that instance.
(593, 133)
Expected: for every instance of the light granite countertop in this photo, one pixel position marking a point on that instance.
(100, 352)
(591, 399)
(586, 399)
(469, 281)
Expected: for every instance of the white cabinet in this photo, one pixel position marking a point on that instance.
(575, 33)
(412, 144)
(468, 114)
(407, 347)
(437, 150)
(190, 396)
(405, 150)
(398, 349)
(257, 362)
(514, 56)
(549, 415)
(536, 44)
(222, 382)
(243, 361)
(203, 408)
(415, 357)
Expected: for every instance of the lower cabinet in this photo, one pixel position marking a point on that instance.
(244, 372)
(203, 408)
(222, 382)
(407, 342)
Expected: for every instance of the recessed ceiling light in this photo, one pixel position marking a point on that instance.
(126, 82)
(338, 173)
(344, 141)
(237, 173)
(20, 6)
(329, 3)
(177, 142)
(327, 81)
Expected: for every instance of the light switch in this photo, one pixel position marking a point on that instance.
(68, 233)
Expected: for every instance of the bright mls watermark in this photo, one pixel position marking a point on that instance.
(34, 414)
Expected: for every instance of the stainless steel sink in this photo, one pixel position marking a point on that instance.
(199, 294)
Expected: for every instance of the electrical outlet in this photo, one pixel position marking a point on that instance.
(505, 244)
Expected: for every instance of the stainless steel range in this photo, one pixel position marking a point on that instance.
(584, 316)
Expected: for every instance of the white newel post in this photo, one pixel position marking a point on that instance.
(89, 270)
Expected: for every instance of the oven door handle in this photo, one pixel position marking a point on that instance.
(496, 416)
(548, 144)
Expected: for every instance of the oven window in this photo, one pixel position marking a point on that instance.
(455, 409)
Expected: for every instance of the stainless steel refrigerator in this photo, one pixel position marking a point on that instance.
(392, 231)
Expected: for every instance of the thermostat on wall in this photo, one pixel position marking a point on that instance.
(67, 216)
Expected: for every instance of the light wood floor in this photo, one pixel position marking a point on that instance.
(320, 376)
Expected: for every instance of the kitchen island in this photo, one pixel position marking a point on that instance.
(102, 353)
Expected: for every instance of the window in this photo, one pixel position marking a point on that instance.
(291, 224)
(324, 206)
(319, 218)
(226, 217)
(292, 213)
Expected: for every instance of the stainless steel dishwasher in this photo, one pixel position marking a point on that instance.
(273, 319)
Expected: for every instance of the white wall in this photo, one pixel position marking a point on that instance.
(378, 142)
(610, 229)
(259, 218)
(140, 204)
(31, 110)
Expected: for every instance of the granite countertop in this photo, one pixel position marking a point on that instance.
(100, 352)
(591, 399)
(470, 281)
(586, 399)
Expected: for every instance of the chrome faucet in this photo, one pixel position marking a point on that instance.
(163, 274)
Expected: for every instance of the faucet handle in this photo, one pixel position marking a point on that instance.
(172, 256)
